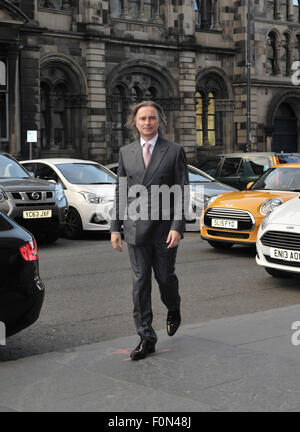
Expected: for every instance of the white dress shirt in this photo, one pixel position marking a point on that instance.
(152, 143)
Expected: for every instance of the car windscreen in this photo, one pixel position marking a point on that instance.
(80, 173)
(9, 168)
(210, 166)
(196, 176)
(285, 179)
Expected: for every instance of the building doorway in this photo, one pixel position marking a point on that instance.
(285, 137)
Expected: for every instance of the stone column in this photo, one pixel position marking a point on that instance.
(277, 58)
(96, 118)
(142, 9)
(290, 13)
(217, 24)
(277, 11)
(30, 94)
(187, 88)
(14, 102)
(157, 17)
(125, 10)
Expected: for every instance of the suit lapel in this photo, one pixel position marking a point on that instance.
(137, 158)
(159, 152)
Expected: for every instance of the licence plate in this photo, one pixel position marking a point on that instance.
(224, 223)
(285, 254)
(37, 214)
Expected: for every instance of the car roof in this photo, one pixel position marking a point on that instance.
(61, 160)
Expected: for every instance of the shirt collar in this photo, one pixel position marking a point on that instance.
(152, 141)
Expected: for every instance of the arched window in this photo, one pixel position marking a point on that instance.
(3, 101)
(205, 119)
(61, 109)
(127, 87)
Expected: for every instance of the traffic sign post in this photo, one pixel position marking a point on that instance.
(31, 138)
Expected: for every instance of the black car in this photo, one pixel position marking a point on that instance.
(21, 288)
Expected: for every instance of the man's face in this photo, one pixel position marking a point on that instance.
(147, 122)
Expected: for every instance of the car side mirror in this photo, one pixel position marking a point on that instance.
(249, 185)
(31, 174)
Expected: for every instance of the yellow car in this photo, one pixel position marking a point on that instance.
(234, 217)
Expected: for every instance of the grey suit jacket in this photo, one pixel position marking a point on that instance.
(143, 216)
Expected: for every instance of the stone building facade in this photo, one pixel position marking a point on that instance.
(71, 69)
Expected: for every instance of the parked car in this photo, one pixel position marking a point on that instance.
(202, 188)
(239, 169)
(234, 218)
(38, 205)
(21, 288)
(278, 240)
(89, 188)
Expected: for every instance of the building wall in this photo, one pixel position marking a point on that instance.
(83, 63)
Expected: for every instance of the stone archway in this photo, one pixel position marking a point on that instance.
(285, 137)
(63, 102)
(283, 120)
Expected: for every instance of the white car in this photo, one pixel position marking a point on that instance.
(278, 240)
(88, 186)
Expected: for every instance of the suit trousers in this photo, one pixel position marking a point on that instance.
(143, 259)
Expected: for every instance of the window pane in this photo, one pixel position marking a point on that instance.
(210, 122)
(199, 136)
(230, 166)
(212, 138)
(199, 122)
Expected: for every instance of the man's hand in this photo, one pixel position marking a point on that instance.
(173, 239)
(116, 241)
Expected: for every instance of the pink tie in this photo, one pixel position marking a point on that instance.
(147, 153)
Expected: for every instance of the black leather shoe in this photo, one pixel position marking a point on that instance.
(144, 348)
(173, 322)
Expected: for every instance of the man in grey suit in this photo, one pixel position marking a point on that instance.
(153, 223)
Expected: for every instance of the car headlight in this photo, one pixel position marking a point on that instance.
(93, 198)
(59, 192)
(264, 222)
(270, 205)
(3, 196)
(211, 200)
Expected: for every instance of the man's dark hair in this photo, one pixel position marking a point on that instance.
(130, 124)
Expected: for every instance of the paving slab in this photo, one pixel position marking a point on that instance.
(242, 363)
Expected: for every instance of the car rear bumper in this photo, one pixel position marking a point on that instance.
(19, 312)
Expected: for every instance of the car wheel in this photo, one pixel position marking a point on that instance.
(73, 228)
(220, 245)
(278, 273)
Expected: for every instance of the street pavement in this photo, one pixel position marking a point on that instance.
(243, 363)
